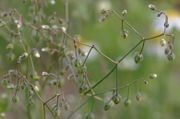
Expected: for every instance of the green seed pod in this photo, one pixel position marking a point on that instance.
(89, 116)
(171, 56)
(116, 99)
(146, 82)
(34, 76)
(15, 99)
(127, 102)
(167, 51)
(107, 106)
(125, 34)
(138, 96)
(61, 82)
(138, 58)
(56, 109)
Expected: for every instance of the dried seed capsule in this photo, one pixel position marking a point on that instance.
(127, 102)
(116, 99)
(153, 76)
(138, 58)
(171, 56)
(163, 42)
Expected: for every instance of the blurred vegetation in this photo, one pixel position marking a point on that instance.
(161, 99)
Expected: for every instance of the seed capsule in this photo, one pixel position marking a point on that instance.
(167, 51)
(127, 102)
(116, 99)
(138, 58)
(107, 106)
(153, 76)
(89, 116)
(146, 82)
(15, 99)
(171, 56)
(138, 96)
(125, 34)
(163, 42)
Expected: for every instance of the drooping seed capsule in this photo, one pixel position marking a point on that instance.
(89, 116)
(138, 58)
(15, 99)
(167, 51)
(171, 56)
(116, 99)
(138, 96)
(107, 107)
(127, 102)
(153, 76)
(146, 82)
(125, 34)
(163, 42)
(61, 82)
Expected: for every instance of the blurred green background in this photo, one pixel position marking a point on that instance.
(161, 96)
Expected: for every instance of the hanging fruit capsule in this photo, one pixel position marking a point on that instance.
(116, 99)
(125, 34)
(107, 106)
(15, 99)
(138, 58)
(127, 102)
(171, 56)
(163, 42)
(138, 96)
(89, 116)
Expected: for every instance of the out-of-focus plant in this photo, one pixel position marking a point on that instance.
(52, 56)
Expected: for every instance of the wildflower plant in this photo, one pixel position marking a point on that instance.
(52, 57)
